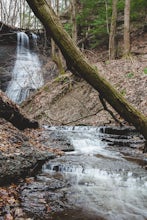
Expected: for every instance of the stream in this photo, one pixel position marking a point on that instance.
(95, 179)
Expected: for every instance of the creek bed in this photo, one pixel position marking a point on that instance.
(93, 180)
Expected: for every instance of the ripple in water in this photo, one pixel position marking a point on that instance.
(94, 182)
(108, 186)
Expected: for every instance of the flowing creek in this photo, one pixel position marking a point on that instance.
(93, 180)
(26, 74)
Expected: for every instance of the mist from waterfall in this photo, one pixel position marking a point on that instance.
(26, 74)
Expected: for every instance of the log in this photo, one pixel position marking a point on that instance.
(5, 28)
(12, 113)
(76, 62)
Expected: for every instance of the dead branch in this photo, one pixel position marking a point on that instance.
(12, 113)
(108, 110)
(81, 118)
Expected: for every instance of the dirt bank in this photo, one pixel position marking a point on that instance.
(68, 100)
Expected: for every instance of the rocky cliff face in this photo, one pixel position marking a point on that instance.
(7, 59)
(8, 43)
(8, 39)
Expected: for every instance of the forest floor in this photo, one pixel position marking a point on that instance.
(67, 100)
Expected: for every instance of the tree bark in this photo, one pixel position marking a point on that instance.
(112, 40)
(127, 27)
(73, 19)
(76, 62)
(13, 114)
(55, 51)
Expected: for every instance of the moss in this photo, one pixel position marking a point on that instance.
(123, 92)
(145, 70)
(130, 75)
(62, 78)
(46, 88)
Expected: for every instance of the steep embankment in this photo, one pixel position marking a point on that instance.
(69, 100)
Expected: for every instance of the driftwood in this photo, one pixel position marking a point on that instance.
(12, 113)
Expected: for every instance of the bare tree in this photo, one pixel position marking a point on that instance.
(56, 54)
(1, 11)
(107, 20)
(15, 12)
(112, 36)
(18, 13)
(73, 18)
(127, 27)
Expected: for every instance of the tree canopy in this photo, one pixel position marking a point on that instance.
(93, 17)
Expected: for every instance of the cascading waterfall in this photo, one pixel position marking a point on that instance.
(26, 74)
(99, 179)
(92, 180)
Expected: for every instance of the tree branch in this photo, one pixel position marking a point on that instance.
(86, 116)
(12, 113)
(108, 110)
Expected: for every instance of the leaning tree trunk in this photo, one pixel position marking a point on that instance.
(12, 113)
(78, 63)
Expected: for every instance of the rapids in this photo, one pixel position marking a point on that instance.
(94, 181)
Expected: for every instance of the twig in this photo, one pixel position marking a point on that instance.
(108, 110)
(1, 26)
(62, 123)
(52, 119)
(8, 34)
(145, 147)
(86, 116)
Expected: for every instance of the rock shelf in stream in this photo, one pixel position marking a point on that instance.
(19, 165)
(95, 181)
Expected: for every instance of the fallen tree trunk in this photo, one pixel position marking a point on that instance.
(12, 113)
(4, 28)
(76, 62)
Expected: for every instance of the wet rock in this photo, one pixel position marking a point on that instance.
(118, 130)
(57, 141)
(5, 77)
(123, 142)
(82, 185)
(14, 166)
(41, 199)
(7, 60)
(123, 137)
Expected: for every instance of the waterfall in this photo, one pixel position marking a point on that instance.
(26, 74)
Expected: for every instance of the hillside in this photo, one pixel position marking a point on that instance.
(68, 100)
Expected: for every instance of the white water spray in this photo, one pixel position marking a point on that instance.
(26, 75)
